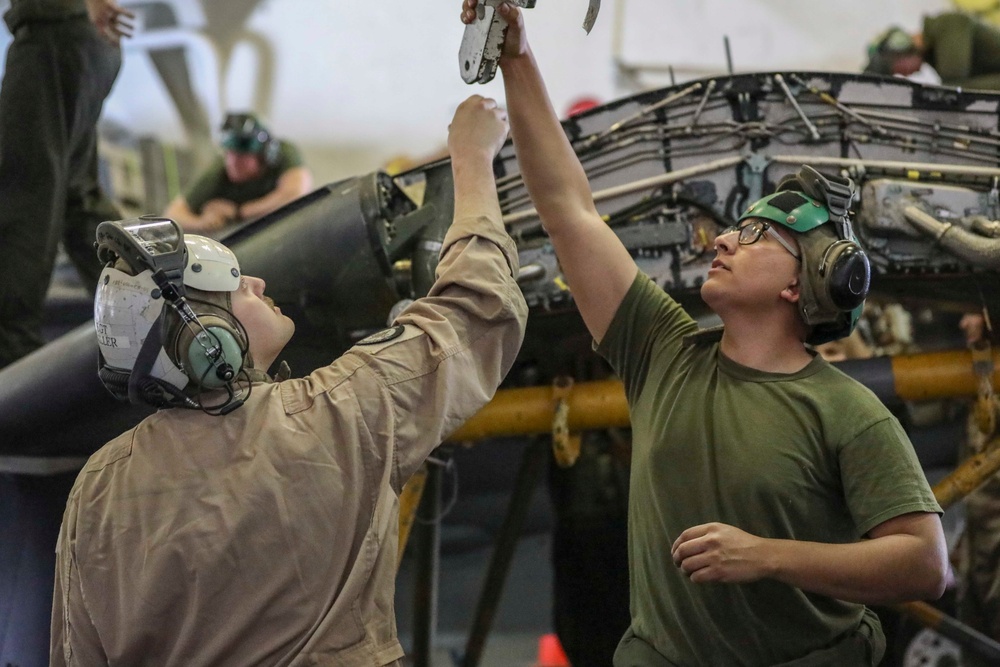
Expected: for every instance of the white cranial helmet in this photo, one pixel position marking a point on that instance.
(160, 342)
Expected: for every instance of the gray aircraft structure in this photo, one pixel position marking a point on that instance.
(669, 168)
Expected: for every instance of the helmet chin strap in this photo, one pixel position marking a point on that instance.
(138, 379)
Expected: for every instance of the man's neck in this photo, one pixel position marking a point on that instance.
(770, 345)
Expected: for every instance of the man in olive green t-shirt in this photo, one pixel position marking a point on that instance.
(963, 49)
(772, 498)
(257, 175)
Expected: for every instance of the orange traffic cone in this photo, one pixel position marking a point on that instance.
(550, 652)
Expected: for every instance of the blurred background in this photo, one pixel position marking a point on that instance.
(360, 85)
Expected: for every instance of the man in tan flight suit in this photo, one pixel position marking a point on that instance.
(268, 535)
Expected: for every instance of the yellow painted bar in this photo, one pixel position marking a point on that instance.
(919, 377)
(923, 613)
(592, 405)
(967, 477)
(601, 404)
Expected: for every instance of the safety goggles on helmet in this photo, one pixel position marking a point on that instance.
(147, 243)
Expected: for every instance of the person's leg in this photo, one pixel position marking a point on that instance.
(86, 203)
(86, 208)
(590, 553)
(32, 511)
(32, 179)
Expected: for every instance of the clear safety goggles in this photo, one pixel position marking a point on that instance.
(147, 243)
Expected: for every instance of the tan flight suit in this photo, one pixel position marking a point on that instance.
(268, 536)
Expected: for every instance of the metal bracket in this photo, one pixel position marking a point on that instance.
(479, 55)
(592, 11)
(985, 408)
(565, 446)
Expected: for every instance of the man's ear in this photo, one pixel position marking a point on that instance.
(792, 293)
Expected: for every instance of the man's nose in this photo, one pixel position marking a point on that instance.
(725, 242)
(257, 285)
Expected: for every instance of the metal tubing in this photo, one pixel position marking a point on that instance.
(980, 251)
(647, 184)
(916, 169)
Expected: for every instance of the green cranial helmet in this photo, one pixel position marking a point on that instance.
(835, 274)
(244, 133)
(893, 43)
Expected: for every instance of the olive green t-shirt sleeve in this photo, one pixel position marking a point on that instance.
(882, 476)
(207, 186)
(647, 322)
(289, 156)
(948, 39)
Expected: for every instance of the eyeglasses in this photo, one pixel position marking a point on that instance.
(751, 232)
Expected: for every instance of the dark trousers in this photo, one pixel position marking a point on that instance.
(590, 552)
(31, 509)
(57, 76)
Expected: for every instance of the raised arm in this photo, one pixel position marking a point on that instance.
(597, 266)
(448, 351)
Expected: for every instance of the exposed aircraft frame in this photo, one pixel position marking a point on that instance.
(668, 168)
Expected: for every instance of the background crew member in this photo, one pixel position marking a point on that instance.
(60, 67)
(963, 49)
(257, 174)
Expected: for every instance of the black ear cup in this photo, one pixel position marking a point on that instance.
(846, 274)
(114, 380)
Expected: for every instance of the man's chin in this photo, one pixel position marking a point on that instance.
(709, 292)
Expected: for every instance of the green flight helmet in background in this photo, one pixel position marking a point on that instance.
(835, 273)
(893, 43)
(244, 133)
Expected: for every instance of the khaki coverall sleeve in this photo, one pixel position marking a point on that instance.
(457, 345)
(74, 639)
